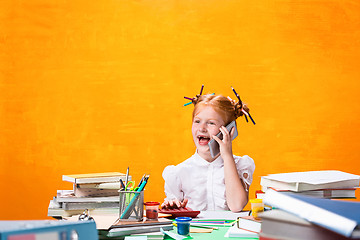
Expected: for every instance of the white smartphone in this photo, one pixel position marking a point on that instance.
(214, 145)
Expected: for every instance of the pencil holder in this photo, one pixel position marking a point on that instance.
(131, 206)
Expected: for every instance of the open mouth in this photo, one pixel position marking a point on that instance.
(203, 140)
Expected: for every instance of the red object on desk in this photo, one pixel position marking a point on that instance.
(259, 194)
(181, 212)
(152, 209)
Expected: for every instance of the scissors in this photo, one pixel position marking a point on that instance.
(130, 186)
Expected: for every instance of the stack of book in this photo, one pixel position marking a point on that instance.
(97, 191)
(322, 184)
(302, 217)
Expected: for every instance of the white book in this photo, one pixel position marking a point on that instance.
(234, 231)
(94, 192)
(323, 193)
(248, 224)
(57, 211)
(95, 177)
(107, 185)
(73, 199)
(311, 180)
(88, 205)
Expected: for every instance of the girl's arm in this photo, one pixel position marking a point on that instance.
(172, 190)
(236, 194)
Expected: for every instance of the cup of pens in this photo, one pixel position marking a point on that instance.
(131, 205)
(183, 225)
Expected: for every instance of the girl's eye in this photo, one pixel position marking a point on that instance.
(196, 121)
(211, 123)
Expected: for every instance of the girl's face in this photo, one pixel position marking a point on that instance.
(205, 125)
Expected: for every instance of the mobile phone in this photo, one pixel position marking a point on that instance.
(214, 145)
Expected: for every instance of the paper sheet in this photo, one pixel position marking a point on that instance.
(172, 235)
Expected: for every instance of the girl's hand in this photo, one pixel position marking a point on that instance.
(226, 143)
(174, 204)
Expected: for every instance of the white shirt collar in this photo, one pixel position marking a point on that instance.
(202, 162)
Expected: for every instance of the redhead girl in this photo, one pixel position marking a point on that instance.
(203, 182)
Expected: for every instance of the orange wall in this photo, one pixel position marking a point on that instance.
(92, 86)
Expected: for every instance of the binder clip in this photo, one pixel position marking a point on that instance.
(85, 216)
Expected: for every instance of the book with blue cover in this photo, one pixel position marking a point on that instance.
(342, 217)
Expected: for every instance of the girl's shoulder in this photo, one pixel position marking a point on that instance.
(174, 169)
(244, 161)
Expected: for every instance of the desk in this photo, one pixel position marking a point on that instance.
(219, 215)
(214, 235)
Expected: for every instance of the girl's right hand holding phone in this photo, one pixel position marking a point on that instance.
(225, 143)
(174, 204)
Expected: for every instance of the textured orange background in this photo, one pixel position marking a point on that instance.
(93, 86)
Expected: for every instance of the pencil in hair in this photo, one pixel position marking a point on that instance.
(202, 87)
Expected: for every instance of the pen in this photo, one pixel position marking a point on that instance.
(234, 222)
(210, 222)
(142, 179)
(146, 178)
(202, 226)
(127, 177)
(122, 185)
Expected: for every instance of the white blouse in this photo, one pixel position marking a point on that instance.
(202, 182)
